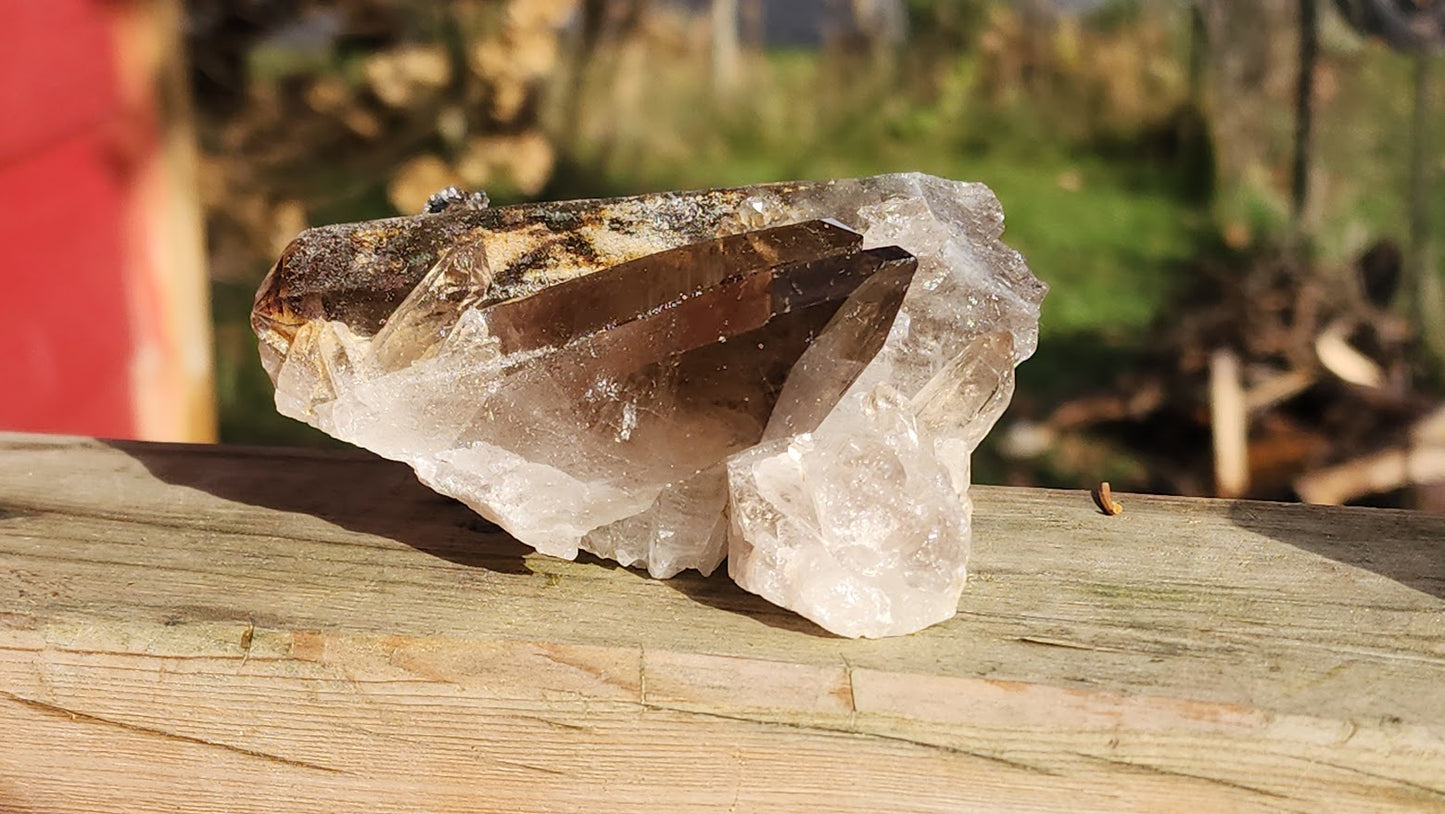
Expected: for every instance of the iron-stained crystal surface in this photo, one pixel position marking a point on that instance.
(788, 376)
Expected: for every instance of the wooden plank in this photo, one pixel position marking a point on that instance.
(172, 388)
(200, 629)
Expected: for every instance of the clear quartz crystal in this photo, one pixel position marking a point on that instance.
(758, 374)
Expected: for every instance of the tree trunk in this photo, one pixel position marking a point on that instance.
(726, 54)
(1427, 297)
(1249, 75)
(1304, 111)
(1198, 52)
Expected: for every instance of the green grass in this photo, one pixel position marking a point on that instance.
(1110, 251)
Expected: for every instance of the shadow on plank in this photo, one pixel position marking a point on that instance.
(355, 490)
(1407, 547)
(362, 492)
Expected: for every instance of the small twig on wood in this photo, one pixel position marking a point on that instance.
(1104, 499)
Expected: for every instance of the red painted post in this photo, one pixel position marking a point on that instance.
(103, 319)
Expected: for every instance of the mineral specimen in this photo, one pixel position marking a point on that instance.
(791, 376)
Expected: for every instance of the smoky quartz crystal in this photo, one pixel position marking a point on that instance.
(791, 377)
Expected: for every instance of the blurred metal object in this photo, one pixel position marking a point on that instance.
(1407, 25)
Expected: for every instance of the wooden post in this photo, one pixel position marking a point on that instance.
(172, 388)
(1427, 292)
(204, 629)
(105, 322)
(1229, 424)
(1309, 48)
(726, 51)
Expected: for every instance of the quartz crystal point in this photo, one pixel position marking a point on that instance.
(792, 376)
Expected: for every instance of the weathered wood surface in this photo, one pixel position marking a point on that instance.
(199, 629)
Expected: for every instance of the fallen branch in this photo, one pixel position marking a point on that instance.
(1420, 461)
(1381, 472)
(1342, 359)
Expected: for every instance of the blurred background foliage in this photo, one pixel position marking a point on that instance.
(1147, 154)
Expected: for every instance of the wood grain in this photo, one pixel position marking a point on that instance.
(207, 629)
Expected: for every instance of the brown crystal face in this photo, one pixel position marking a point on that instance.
(356, 273)
(734, 274)
(672, 302)
(675, 360)
(360, 273)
